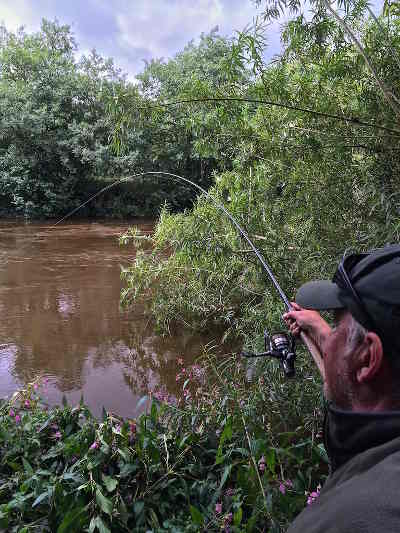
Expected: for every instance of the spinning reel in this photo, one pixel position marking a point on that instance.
(282, 346)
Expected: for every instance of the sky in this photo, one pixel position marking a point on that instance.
(131, 31)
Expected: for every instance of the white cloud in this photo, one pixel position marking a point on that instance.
(132, 30)
(163, 27)
(17, 13)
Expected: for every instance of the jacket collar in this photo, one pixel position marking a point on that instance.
(348, 433)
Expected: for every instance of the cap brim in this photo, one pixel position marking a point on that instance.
(320, 295)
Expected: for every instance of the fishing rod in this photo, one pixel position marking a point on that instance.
(352, 120)
(280, 345)
(341, 118)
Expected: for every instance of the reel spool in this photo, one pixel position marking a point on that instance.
(280, 345)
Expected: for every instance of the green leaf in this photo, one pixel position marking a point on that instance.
(40, 498)
(154, 412)
(127, 469)
(99, 524)
(125, 454)
(322, 452)
(138, 508)
(237, 517)
(109, 482)
(270, 458)
(225, 476)
(123, 512)
(197, 517)
(105, 504)
(72, 520)
(225, 435)
(27, 467)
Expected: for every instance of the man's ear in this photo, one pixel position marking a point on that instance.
(370, 358)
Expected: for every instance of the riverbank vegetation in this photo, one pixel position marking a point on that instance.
(57, 119)
(310, 167)
(307, 161)
(204, 462)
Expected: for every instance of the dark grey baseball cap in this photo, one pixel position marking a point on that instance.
(373, 296)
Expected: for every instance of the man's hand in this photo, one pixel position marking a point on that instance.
(299, 319)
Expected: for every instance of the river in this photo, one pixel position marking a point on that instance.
(61, 318)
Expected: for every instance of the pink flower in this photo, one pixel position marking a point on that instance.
(218, 508)
(228, 518)
(282, 488)
(178, 377)
(180, 361)
(11, 413)
(35, 386)
(312, 497)
(17, 419)
(57, 435)
(289, 483)
(261, 464)
(94, 446)
(27, 403)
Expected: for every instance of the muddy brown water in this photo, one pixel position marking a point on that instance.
(60, 317)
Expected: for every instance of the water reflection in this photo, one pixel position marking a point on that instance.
(59, 303)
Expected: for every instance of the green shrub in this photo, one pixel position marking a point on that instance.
(204, 462)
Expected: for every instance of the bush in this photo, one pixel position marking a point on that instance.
(207, 461)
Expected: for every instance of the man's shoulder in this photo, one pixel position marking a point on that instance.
(360, 497)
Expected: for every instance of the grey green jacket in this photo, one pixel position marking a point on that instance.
(362, 494)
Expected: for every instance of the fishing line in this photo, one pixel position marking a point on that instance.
(279, 343)
(207, 193)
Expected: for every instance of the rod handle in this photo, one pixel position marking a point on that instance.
(314, 351)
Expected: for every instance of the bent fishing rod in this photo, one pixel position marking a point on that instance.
(279, 345)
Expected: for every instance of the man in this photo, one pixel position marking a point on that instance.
(361, 356)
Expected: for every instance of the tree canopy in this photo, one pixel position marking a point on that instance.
(58, 113)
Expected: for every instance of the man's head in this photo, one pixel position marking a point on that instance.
(362, 353)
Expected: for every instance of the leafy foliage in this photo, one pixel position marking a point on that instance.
(54, 133)
(313, 171)
(198, 463)
(304, 185)
(57, 116)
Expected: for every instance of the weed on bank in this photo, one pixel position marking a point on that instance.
(220, 458)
